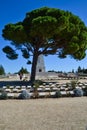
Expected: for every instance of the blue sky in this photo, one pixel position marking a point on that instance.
(12, 11)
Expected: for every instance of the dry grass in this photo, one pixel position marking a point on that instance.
(44, 114)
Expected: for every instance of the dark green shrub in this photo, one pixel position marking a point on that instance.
(73, 84)
(36, 84)
(67, 85)
(39, 82)
(70, 94)
(57, 94)
(8, 86)
(1, 90)
(24, 95)
(3, 95)
(78, 92)
(85, 91)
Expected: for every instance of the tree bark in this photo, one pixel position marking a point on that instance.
(33, 69)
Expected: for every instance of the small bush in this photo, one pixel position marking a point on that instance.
(3, 95)
(68, 94)
(85, 91)
(57, 94)
(1, 90)
(40, 82)
(8, 86)
(24, 95)
(73, 84)
(78, 92)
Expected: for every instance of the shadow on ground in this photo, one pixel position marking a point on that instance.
(14, 83)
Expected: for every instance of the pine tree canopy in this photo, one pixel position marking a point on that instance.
(47, 31)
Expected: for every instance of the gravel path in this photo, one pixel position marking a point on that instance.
(44, 114)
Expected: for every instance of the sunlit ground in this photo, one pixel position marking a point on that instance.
(44, 114)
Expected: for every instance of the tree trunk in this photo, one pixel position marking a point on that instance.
(33, 69)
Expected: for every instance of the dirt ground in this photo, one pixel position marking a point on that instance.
(44, 114)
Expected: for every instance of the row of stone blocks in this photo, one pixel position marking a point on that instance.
(43, 90)
(41, 94)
